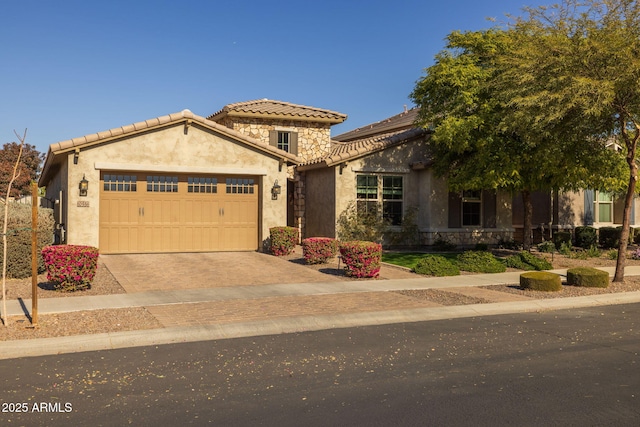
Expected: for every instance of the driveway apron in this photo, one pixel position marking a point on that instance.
(147, 272)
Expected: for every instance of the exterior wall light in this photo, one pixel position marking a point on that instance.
(275, 190)
(84, 186)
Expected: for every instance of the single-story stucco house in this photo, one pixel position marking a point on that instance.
(182, 182)
(187, 183)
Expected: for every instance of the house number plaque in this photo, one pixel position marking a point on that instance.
(83, 203)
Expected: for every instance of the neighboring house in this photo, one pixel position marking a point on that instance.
(386, 164)
(185, 183)
(560, 211)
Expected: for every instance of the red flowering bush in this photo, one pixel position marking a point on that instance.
(283, 240)
(70, 267)
(361, 259)
(317, 250)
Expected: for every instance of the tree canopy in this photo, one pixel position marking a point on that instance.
(29, 168)
(480, 142)
(574, 70)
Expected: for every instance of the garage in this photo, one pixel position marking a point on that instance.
(143, 212)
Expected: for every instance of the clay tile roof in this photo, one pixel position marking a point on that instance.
(268, 108)
(404, 120)
(345, 151)
(59, 148)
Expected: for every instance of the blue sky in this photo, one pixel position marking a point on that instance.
(71, 68)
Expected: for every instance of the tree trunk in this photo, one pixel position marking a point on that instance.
(628, 205)
(528, 220)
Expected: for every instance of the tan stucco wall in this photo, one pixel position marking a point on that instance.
(164, 150)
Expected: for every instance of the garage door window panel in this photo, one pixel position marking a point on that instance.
(162, 184)
(202, 185)
(240, 186)
(120, 182)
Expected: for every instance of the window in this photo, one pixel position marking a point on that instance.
(162, 184)
(603, 207)
(283, 141)
(471, 208)
(239, 186)
(392, 199)
(120, 182)
(373, 192)
(202, 185)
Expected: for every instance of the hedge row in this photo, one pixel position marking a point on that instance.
(19, 238)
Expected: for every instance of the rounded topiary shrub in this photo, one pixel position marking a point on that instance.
(540, 281)
(283, 240)
(480, 262)
(70, 267)
(586, 236)
(317, 250)
(361, 259)
(436, 265)
(588, 277)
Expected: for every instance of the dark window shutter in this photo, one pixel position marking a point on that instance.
(489, 200)
(293, 141)
(273, 138)
(588, 207)
(455, 210)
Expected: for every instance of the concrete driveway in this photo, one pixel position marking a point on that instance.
(145, 272)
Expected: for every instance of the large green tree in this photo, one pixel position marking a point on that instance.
(476, 144)
(574, 70)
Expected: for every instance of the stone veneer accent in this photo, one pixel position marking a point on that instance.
(314, 139)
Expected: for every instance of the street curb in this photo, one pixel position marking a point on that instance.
(118, 340)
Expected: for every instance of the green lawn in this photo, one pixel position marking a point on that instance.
(410, 259)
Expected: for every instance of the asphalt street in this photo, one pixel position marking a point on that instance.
(568, 367)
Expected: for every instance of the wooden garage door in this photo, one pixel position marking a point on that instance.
(177, 213)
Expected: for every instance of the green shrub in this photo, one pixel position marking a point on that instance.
(586, 236)
(509, 244)
(609, 237)
(540, 281)
(356, 224)
(70, 267)
(527, 261)
(19, 238)
(612, 254)
(565, 248)
(561, 237)
(588, 277)
(441, 244)
(361, 259)
(436, 265)
(481, 247)
(409, 233)
(515, 261)
(547, 247)
(317, 250)
(593, 252)
(480, 262)
(283, 240)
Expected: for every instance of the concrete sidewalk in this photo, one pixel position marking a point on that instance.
(188, 298)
